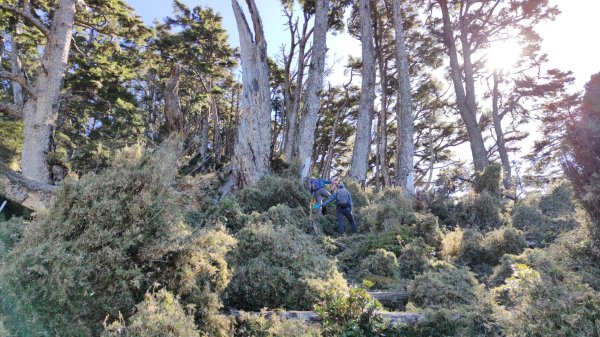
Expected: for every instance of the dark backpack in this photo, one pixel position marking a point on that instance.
(343, 198)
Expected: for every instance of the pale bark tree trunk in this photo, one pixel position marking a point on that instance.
(329, 156)
(465, 103)
(292, 114)
(28, 193)
(360, 154)
(497, 120)
(172, 105)
(404, 115)
(40, 112)
(217, 141)
(252, 151)
(383, 79)
(15, 64)
(314, 86)
(204, 124)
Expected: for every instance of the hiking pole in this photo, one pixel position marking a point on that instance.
(2, 207)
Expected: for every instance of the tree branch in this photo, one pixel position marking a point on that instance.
(11, 109)
(27, 15)
(22, 80)
(26, 192)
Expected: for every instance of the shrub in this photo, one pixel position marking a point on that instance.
(559, 201)
(389, 211)
(382, 263)
(426, 226)
(359, 196)
(263, 325)
(278, 266)
(357, 248)
(485, 211)
(463, 246)
(540, 227)
(10, 233)
(470, 247)
(445, 288)
(349, 312)
(414, 258)
(489, 180)
(107, 239)
(159, 315)
(271, 191)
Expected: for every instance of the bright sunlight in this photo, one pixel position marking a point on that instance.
(502, 55)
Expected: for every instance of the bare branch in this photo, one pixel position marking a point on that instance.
(22, 80)
(27, 15)
(11, 109)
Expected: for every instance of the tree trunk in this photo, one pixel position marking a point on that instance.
(28, 193)
(383, 79)
(252, 151)
(172, 107)
(217, 141)
(15, 64)
(292, 114)
(40, 112)
(500, 135)
(404, 116)
(480, 160)
(360, 154)
(314, 86)
(204, 125)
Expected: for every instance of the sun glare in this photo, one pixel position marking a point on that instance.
(503, 55)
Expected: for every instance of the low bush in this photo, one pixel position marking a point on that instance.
(10, 233)
(159, 315)
(106, 240)
(263, 325)
(444, 288)
(414, 258)
(489, 180)
(389, 211)
(271, 191)
(485, 211)
(278, 266)
(559, 201)
(358, 247)
(350, 312)
(380, 263)
(472, 248)
(426, 226)
(540, 227)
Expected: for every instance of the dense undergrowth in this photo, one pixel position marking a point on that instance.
(138, 251)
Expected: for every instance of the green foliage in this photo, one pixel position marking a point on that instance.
(10, 233)
(11, 133)
(426, 226)
(106, 240)
(271, 191)
(359, 196)
(544, 219)
(489, 180)
(388, 212)
(471, 247)
(485, 211)
(350, 312)
(558, 202)
(444, 288)
(357, 248)
(278, 266)
(159, 315)
(414, 258)
(263, 325)
(380, 263)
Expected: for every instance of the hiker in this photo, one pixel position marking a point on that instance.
(318, 190)
(343, 199)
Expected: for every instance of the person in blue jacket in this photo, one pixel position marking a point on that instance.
(343, 200)
(318, 190)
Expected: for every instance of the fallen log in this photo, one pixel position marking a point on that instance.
(390, 297)
(392, 318)
(26, 192)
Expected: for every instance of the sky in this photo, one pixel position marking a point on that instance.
(570, 40)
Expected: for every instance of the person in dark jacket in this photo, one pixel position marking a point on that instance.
(343, 200)
(318, 190)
